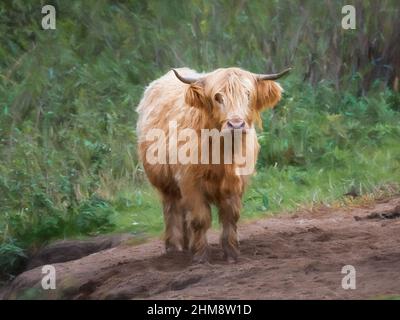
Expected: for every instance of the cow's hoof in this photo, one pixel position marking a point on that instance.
(231, 255)
(230, 260)
(200, 257)
(170, 248)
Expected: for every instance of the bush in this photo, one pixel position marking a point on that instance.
(68, 158)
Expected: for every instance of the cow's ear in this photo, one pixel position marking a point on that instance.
(195, 96)
(268, 94)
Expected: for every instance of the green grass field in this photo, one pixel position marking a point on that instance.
(68, 162)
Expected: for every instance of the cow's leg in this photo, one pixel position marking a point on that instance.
(186, 234)
(198, 221)
(174, 220)
(229, 213)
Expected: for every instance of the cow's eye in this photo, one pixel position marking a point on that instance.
(219, 98)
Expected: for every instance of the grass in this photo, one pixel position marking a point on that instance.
(309, 155)
(68, 162)
(274, 189)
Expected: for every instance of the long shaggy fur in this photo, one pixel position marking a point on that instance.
(188, 190)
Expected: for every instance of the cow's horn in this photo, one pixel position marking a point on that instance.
(273, 76)
(187, 80)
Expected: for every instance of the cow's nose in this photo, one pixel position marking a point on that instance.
(235, 124)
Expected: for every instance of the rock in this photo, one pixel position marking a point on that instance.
(67, 250)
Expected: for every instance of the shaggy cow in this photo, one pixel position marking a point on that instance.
(228, 100)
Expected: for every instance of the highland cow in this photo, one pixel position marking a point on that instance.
(227, 101)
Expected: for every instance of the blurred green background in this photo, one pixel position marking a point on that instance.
(68, 162)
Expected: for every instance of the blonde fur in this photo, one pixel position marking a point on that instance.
(188, 190)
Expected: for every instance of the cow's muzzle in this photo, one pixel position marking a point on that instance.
(235, 124)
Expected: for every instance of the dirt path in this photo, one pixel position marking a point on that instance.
(298, 256)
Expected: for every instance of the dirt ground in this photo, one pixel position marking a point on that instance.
(296, 256)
